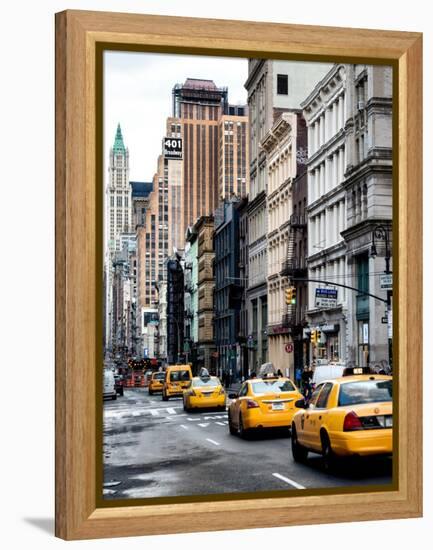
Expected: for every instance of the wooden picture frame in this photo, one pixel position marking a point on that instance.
(80, 36)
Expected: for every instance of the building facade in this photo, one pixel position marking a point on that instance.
(228, 291)
(368, 189)
(325, 111)
(191, 296)
(283, 144)
(242, 207)
(233, 176)
(273, 87)
(205, 286)
(197, 108)
(175, 310)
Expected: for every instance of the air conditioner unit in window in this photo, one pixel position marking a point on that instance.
(361, 105)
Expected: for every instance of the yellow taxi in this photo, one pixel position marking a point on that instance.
(267, 402)
(177, 379)
(351, 415)
(204, 392)
(156, 382)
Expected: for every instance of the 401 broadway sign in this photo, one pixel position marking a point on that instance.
(326, 297)
(172, 148)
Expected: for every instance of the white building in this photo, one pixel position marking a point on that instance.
(325, 113)
(273, 87)
(368, 188)
(280, 144)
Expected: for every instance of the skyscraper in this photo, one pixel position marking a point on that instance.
(117, 220)
(198, 105)
(118, 192)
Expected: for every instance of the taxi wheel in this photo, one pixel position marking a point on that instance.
(299, 452)
(327, 453)
(232, 429)
(242, 431)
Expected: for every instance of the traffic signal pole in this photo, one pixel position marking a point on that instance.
(331, 283)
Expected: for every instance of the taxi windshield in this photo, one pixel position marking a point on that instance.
(272, 386)
(365, 391)
(159, 375)
(179, 375)
(199, 382)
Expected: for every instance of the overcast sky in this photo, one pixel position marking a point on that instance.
(137, 93)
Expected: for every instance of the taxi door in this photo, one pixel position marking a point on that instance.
(238, 403)
(305, 434)
(318, 417)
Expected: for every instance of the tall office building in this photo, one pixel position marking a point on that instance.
(233, 175)
(198, 106)
(117, 221)
(118, 192)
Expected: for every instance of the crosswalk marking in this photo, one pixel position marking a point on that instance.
(220, 423)
(203, 425)
(170, 410)
(154, 412)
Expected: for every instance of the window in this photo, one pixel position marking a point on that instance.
(323, 397)
(282, 84)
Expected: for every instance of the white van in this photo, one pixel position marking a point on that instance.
(327, 371)
(109, 384)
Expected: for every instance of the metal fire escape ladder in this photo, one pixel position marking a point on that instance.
(289, 318)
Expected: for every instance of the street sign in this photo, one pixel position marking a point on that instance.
(386, 281)
(173, 148)
(289, 348)
(326, 297)
(390, 324)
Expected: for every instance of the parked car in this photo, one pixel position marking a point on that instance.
(119, 383)
(109, 385)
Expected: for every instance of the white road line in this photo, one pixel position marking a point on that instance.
(154, 412)
(220, 423)
(170, 410)
(184, 427)
(136, 413)
(212, 441)
(289, 481)
(225, 422)
(203, 425)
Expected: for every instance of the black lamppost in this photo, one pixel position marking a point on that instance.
(381, 233)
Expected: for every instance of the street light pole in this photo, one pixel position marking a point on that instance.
(380, 232)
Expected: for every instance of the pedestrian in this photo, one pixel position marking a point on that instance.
(253, 375)
(279, 373)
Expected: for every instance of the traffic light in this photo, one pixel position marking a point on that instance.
(318, 335)
(290, 293)
(293, 295)
(313, 337)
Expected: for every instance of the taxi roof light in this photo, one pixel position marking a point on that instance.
(352, 422)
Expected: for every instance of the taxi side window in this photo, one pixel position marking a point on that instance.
(243, 390)
(323, 397)
(315, 395)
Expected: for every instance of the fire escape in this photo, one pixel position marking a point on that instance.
(295, 267)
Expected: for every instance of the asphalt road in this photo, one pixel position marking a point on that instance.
(152, 448)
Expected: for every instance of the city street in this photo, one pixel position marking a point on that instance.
(153, 448)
